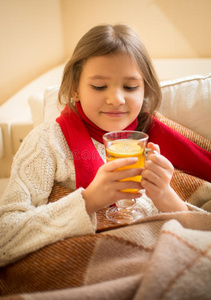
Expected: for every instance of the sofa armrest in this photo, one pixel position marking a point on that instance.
(11, 136)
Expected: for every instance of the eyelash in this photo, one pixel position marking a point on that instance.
(101, 88)
(131, 88)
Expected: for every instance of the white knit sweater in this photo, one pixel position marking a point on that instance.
(27, 221)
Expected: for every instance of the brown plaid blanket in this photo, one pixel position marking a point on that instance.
(165, 256)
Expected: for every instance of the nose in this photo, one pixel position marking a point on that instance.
(115, 97)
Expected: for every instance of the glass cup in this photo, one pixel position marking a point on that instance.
(121, 144)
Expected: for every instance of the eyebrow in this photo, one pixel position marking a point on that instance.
(133, 78)
(98, 77)
(105, 77)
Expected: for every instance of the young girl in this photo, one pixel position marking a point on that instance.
(109, 84)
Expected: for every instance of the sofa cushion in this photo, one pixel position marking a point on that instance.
(188, 102)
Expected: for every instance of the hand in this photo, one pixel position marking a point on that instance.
(157, 174)
(106, 187)
(156, 178)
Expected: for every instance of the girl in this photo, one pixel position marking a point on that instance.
(109, 84)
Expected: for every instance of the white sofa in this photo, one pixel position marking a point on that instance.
(186, 90)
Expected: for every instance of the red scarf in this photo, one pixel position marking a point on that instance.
(78, 131)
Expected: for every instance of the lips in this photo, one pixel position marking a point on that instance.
(114, 114)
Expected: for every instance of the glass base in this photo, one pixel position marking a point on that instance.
(124, 215)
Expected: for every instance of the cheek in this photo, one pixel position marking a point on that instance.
(87, 99)
(90, 108)
(137, 103)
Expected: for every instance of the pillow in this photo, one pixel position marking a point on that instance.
(51, 109)
(187, 101)
(36, 107)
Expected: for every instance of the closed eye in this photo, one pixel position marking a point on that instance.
(99, 88)
(130, 88)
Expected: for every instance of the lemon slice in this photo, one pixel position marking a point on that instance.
(125, 148)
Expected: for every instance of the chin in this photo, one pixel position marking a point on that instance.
(111, 126)
(115, 128)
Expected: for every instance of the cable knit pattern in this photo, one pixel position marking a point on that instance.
(27, 222)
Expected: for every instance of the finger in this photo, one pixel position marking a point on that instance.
(154, 147)
(156, 174)
(152, 177)
(151, 189)
(122, 174)
(159, 160)
(119, 163)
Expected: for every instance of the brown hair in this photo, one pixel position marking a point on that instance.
(103, 40)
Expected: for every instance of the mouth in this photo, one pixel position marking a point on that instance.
(114, 114)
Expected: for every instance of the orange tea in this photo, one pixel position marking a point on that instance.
(127, 148)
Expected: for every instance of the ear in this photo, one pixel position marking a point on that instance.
(76, 96)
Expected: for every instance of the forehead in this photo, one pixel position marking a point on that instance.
(111, 65)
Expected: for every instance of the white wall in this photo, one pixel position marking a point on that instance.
(169, 28)
(32, 41)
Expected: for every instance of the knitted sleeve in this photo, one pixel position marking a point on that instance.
(27, 221)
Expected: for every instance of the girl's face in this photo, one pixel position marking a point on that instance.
(111, 91)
